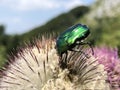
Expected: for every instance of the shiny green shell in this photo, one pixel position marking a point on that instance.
(67, 39)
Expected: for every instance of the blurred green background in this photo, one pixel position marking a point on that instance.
(104, 24)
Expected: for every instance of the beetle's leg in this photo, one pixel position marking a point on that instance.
(66, 56)
(86, 43)
(76, 50)
(63, 60)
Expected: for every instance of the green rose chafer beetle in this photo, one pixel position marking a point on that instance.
(73, 36)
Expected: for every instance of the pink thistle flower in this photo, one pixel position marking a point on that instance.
(109, 58)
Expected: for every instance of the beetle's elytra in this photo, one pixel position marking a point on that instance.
(67, 40)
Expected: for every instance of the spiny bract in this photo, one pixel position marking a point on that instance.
(38, 67)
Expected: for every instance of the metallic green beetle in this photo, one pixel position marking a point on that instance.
(71, 37)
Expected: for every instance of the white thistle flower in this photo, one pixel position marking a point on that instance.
(38, 67)
(30, 68)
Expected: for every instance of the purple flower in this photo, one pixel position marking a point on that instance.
(109, 58)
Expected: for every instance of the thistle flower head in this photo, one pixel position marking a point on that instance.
(30, 68)
(38, 67)
(109, 58)
(85, 71)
